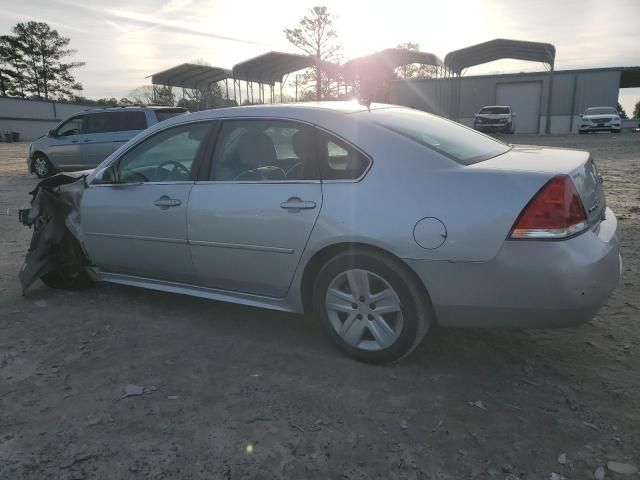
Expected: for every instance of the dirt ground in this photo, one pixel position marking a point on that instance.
(233, 392)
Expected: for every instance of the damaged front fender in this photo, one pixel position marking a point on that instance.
(55, 218)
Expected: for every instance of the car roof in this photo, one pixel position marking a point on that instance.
(300, 111)
(497, 106)
(119, 108)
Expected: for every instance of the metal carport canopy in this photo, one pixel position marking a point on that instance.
(498, 49)
(190, 75)
(271, 67)
(392, 57)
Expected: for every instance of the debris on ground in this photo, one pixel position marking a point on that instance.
(599, 473)
(478, 404)
(562, 459)
(622, 468)
(132, 390)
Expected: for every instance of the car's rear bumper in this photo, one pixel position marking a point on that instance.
(529, 283)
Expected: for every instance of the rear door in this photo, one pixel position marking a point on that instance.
(128, 124)
(134, 215)
(251, 215)
(96, 138)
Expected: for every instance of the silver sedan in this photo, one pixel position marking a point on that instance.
(382, 221)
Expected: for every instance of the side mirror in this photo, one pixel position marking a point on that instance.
(51, 133)
(106, 176)
(475, 114)
(580, 115)
(514, 114)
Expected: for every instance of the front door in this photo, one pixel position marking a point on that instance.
(63, 149)
(250, 220)
(134, 215)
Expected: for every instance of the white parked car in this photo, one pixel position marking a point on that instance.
(599, 119)
(495, 118)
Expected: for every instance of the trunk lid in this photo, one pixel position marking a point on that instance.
(549, 162)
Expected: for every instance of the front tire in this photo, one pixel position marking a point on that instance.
(41, 166)
(372, 306)
(616, 130)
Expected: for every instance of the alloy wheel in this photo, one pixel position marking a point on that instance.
(364, 310)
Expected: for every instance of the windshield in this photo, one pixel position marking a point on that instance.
(601, 111)
(495, 110)
(449, 138)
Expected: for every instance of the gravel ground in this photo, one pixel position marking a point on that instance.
(234, 392)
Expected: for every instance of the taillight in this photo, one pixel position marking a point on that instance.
(556, 211)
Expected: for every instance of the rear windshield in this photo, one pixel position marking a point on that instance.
(168, 113)
(601, 111)
(449, 138)
(495, 110)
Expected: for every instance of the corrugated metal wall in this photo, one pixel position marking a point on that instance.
(573, 92)
(33, 118)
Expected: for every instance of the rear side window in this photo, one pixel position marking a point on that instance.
(168, 113)
(99, 123)
(338, 160)
(264, 151)
(131, 121)
(459, 143)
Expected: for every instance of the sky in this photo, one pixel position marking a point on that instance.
(124, 41)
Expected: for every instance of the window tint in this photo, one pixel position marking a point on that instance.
(168, 113)
(451, 139)
(128, 121)
(264, 150)
(73, 126)
(165, 157)
(339, 161)
(99, 123)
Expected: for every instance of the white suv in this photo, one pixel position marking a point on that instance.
(598, 119)
(85, 139)
(495, 118)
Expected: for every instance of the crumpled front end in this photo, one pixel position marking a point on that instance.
(54, 215)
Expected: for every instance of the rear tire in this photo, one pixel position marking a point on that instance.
(41, 166)
(345, 294)
(70, 271)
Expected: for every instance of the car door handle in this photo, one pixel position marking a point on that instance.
(165, 202)
(296, 204)
(75, 141)
(86, 140)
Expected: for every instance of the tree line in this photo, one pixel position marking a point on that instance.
(34, 63)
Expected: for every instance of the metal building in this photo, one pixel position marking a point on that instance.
(572, 92)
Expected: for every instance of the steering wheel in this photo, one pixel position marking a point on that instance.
(297, 165)
(177, 167)
(265, 172)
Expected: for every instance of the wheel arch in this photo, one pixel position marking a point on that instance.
(315, 263)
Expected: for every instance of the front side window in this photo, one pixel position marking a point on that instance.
(264, 150)
(99, 123)
(165, 157)
(457, 142)
(73, 126)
